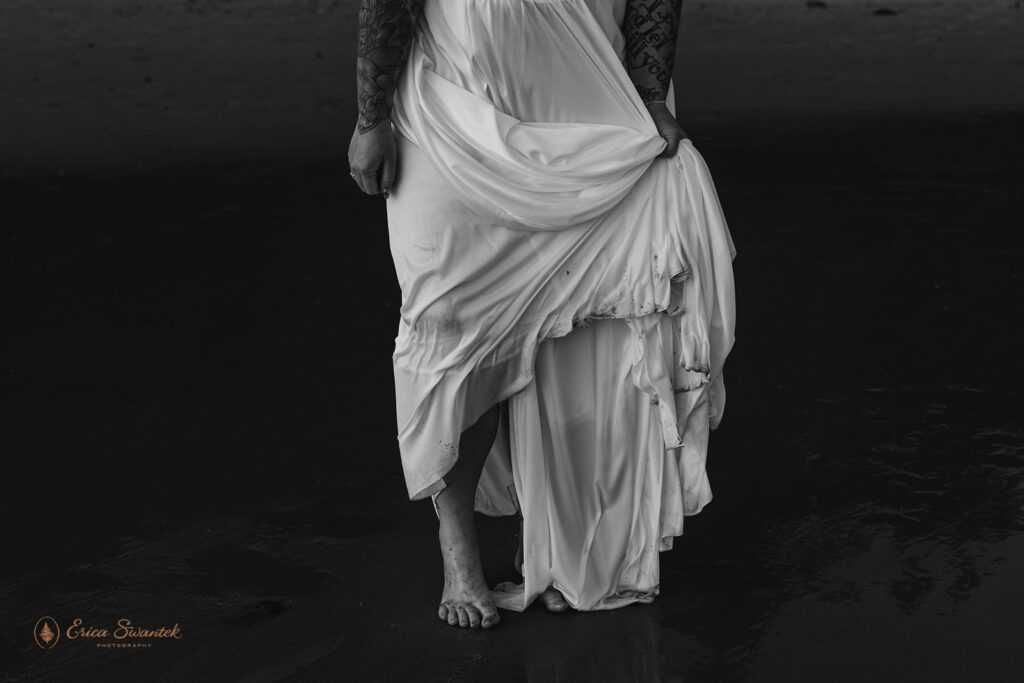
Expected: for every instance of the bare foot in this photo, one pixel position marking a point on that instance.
(553, 600)
(466, 600)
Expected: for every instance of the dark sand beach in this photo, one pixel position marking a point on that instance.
(201, 425)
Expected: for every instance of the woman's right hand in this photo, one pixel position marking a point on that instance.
(668, 128)
(372, 158)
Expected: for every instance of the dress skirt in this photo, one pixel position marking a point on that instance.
(546, 257)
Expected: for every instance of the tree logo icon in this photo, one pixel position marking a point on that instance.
(47, 632)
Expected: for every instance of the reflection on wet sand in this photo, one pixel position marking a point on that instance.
(909, 503)
(925, 469)
(624, 645)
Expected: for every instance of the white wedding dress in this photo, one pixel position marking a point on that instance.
(547, 257)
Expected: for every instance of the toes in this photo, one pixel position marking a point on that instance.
(467, 616)
(489, 617)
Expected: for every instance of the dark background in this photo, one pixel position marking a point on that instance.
(203, 311)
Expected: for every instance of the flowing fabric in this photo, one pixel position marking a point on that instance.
(529, 204)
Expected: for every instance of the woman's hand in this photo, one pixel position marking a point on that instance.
(372, 158)
(668, 128)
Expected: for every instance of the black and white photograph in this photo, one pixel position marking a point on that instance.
(390, 340)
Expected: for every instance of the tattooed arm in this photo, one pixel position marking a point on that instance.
(651, 28)
(385, 33)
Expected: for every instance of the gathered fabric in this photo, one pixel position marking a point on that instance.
(530, 203)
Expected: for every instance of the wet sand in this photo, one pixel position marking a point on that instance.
(202, 406)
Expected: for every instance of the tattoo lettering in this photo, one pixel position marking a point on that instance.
(651, 27)
(385, 34)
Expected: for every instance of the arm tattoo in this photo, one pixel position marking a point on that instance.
(651, 27)
(385, 34)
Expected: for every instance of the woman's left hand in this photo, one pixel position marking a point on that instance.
(668, 128)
